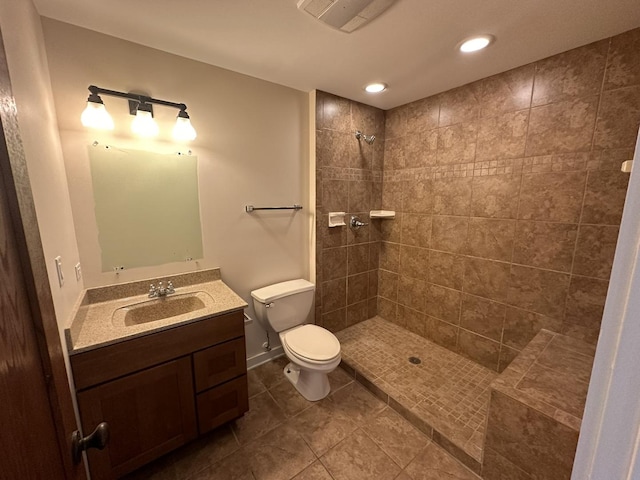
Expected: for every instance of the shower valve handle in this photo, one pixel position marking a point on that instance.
(356, 223)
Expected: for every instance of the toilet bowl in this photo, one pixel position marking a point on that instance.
(313, 351)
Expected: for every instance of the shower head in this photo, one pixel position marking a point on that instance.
(370, 139)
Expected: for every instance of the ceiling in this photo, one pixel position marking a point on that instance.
(411, 46)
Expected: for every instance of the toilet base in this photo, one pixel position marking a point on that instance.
(313, 386)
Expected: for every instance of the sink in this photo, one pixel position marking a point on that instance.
(161, 308)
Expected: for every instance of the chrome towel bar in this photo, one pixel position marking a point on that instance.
(251, 208)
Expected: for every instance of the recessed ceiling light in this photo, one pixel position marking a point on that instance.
(476, 43)
(375, 87)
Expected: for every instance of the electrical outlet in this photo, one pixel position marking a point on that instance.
(78, 272)
(58, 261)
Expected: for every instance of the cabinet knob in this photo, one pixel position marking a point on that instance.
(97, 439)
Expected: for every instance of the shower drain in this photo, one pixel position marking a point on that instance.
(415, 360)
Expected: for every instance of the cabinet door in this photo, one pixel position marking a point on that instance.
(149, 414)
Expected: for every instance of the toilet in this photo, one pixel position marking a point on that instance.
(313, 351)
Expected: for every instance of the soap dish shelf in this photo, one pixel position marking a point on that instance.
(383, 214)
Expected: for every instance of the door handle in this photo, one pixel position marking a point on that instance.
(97, 439)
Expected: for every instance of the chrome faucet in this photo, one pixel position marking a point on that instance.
(161, 290)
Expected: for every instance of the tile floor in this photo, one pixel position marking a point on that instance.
(445, 392)
(350, 435)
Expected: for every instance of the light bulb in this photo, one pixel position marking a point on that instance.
(144, 124)
(183, 130)
(96, 116)
(476, 43)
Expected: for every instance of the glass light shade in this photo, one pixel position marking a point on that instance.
(375, 87)
(476, 43)
(96, 116)
(144, 124)
(183, 130)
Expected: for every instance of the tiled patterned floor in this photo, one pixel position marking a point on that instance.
(350, 435)
(446, 391)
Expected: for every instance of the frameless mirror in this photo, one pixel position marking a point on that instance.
(146, 207)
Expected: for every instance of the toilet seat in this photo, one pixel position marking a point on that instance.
(312, 344)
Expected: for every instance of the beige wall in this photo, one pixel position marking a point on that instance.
(252, 148)
(26, 57)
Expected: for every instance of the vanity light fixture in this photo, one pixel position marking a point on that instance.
(95, 115)
(473, 44)
(376, 87)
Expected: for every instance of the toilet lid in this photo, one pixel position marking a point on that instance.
(313, 342)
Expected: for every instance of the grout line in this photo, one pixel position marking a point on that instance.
(600, 95)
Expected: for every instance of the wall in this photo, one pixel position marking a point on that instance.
(252, 148)
(348, 179)
(26, 57)
(510, 195)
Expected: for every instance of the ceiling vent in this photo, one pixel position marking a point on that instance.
(345, 15)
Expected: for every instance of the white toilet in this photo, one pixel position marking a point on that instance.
(313, 351)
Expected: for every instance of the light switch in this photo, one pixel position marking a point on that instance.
(58, 261)
(78, 272)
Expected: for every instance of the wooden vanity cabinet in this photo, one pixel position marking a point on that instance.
(160, 391)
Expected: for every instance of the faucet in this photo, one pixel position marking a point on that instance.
(161, 290)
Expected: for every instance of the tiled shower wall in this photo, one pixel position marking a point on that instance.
(509, 197)
(508, 194)
(349, 179)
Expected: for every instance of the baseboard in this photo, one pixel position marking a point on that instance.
(264, 357)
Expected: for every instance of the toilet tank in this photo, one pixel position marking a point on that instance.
(284, 305)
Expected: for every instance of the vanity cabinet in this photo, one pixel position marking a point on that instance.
(161, 390)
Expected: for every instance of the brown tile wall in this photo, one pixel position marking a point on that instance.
(509, 196)
(348, 179)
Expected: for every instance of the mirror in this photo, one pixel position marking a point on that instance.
(146, 207)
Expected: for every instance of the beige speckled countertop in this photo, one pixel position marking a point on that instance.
(96, 324)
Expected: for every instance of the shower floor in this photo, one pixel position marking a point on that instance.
(444, 392)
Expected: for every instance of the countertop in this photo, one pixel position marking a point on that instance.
(94, 324)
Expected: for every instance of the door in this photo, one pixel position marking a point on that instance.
(36, 411)
(609, 444)
(149, 413)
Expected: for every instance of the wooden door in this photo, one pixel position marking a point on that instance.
(149, 414)
(36, 411)
(28, 433)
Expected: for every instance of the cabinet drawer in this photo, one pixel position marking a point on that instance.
(219, 363)
(222, 404)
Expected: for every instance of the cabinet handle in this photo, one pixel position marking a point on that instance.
(97, 439)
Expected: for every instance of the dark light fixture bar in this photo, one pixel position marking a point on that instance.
(96, 115)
